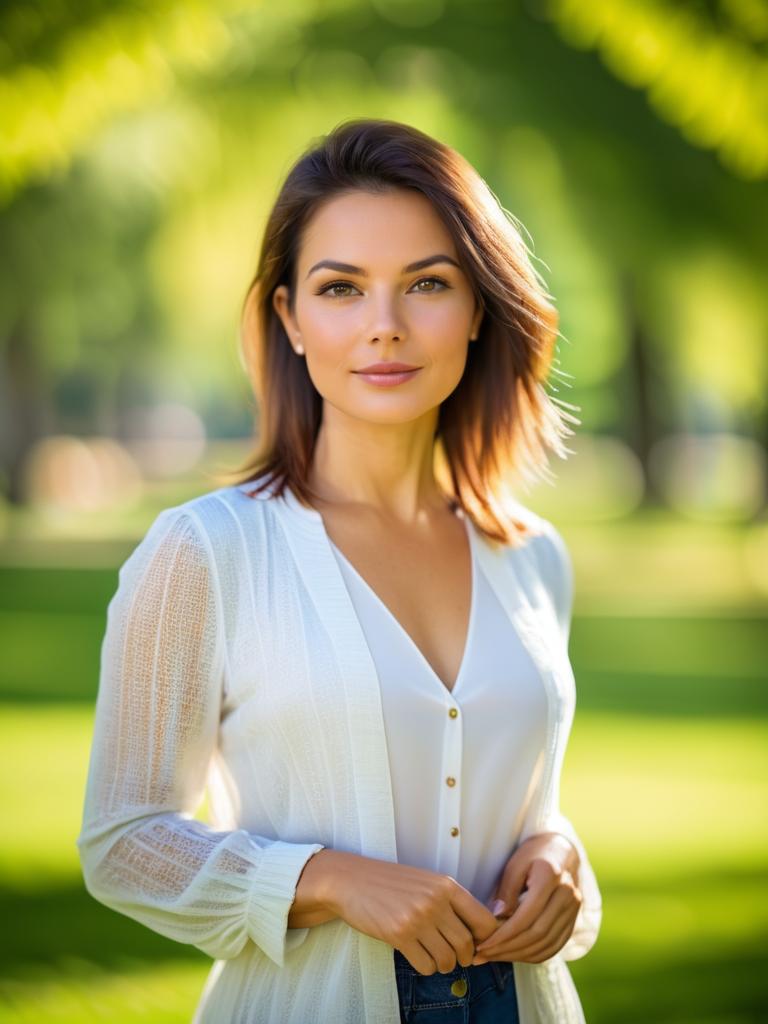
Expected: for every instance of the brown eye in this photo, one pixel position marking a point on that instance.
(434, 280)
(335, 284)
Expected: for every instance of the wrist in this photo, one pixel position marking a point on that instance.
(318, 887)
(571, 858)
(573, 861)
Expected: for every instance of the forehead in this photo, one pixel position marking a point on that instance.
(395, 226)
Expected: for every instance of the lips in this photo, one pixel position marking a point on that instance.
(387, 375)
(387, 368)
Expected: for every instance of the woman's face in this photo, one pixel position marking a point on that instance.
(361, 299)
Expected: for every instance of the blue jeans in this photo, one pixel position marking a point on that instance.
(481, 994)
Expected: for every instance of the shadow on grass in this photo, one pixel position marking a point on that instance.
(663, 974)
(671, 696)
(722, 986)
(68, 922)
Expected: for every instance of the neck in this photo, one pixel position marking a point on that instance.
(385, 468)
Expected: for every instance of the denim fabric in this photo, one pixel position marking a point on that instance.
(490, 996)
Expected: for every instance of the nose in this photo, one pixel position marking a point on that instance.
(386, 322)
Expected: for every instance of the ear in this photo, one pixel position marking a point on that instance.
(477, 319)
(280, 303)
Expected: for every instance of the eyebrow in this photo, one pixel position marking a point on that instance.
(350, 268)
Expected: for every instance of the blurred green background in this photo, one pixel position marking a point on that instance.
(141, 146)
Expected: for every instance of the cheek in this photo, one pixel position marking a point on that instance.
(446, 318)
(331, 356)
(444, 338)
(332, 343)
(447, 367)
(332, 332)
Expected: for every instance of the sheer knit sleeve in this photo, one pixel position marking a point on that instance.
(157, 713)
(558, 571)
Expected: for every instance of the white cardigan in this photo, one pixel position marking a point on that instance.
(233, 659)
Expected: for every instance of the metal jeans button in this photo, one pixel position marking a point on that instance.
(459, 987)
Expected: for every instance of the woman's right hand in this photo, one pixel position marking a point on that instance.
(429, 917)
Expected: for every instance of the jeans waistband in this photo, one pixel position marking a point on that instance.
(502, 971)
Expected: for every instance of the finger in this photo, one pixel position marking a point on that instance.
(539, 951)
(503, 906)
(418, 957)
(556, 945)
(545, 927)
(513, 882)
(528, 912)
(516, 945)
(460, 938)
(543, 881)
(424, 953)
(440, 949)
(538, 943)
(500, 921)
(473, 914)
(504, 944)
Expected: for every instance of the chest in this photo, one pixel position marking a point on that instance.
(426, 588)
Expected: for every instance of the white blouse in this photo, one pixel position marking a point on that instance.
(461, 782)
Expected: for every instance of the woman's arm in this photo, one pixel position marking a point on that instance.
(157, 717)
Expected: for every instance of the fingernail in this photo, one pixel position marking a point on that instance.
(499, 906)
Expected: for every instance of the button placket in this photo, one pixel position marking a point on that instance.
(450, 802)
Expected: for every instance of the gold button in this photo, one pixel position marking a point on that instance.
(454, 831)
(459, 987)
(453, 712)
(451, 781)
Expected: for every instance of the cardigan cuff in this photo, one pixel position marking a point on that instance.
(272, 894)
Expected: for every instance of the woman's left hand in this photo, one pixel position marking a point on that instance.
(540, 881)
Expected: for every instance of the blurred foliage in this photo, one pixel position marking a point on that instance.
(703, 66)
(69, 67)
(143, 144)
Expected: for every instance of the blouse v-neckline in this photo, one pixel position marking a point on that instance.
(404, 632)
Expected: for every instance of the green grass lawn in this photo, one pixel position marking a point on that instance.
(671, 733)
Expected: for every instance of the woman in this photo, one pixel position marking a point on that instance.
(361, 647)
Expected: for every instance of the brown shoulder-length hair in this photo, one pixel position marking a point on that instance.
(499, 422)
